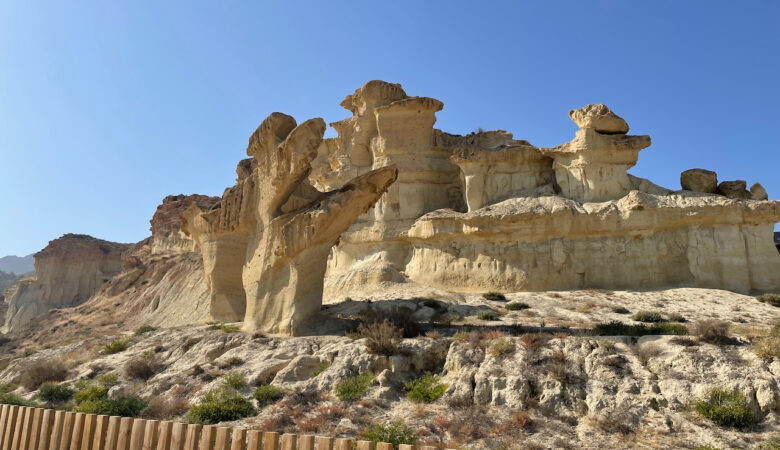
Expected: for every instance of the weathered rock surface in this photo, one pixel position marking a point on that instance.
(67, 272)
(734, 189)
(275, 231)
(166, 222)
(699, 180)
(600, 118)
(757, 192)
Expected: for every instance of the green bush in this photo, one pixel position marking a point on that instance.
(126, 406)
(517, 306)
(116, 346)
(425, 389)
(395, 433)
(726, 407)
(143, 329)
(620, 310)
(500, 346)
(617, 328)
(55, 393)
(220, 405)
(354, 388)
(494, 296)
(108, 379)
(487, 314)
(234, 380)
(13, 399)
(91, 394)
(772, 299)
(266, 394)
(230, 328)
(7, 387)
(676, 317)
(648, 316)
(321, 369)
(767, 348)
(4, 340)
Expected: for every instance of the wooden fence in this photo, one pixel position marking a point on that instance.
(24, 428)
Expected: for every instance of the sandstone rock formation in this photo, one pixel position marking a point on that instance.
(734, 189)
(275, 231)
(166, 222)
(67, 272)
(550, 218)
(757, 192)
(699, 180)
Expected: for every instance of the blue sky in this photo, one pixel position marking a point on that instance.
(107, 107)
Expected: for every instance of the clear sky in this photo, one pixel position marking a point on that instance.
(108, 106)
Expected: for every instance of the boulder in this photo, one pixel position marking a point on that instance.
(757, 192)
(699, 180)
(600, 118)
(734, 189)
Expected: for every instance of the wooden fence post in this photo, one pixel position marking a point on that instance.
(25, 428)
(290, 441)
(178, 436)
(78, 431)
(239, 439)
(89, 431)
(254, 440)
(44, 435)
(427, 447)
(384, 446)
(56, 430)
(99, 441)
(307, 442)
(193, 433)
(150, 435)
(113, 432)
(207, 437)
(125, 427)
(10, 426)
(406, 447)
(222, 440)
(343, 444)
(324, 443)
(365, 445)
(270, 440)
(164, 434)
(137, 430)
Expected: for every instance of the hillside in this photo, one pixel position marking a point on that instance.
(17, 264)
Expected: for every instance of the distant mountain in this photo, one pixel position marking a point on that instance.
(17, 264)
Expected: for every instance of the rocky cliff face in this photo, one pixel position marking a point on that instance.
(67, 272)
(166, 222)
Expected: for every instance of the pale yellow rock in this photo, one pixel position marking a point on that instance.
(593, 167)
(67, 272)
(757, 192)
(600, 118)
(699, 180)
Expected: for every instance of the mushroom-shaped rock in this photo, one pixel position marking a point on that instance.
(699, 180)
(593, 167)
(757, 192)
(285, 268)
(600, 118)
(495, 166)
(736, 189)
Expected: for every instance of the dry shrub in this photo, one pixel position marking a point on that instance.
(615, 421)
(522, 420)
(557, 371)
(534, 341)
(381, 338)
(647, 351)
(42, 371)
(162, 408)
(141, 368)
(400, 318)
(712, 331)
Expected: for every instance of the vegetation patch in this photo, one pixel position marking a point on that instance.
(116, 346)
(381, 338)
(141, 368)
(676, 317)
(712, 331)
(354, 388)
(143, 329)
(648, 316)
(767, 348)
(43, 371)
(726, 407)
(234, 380)
(95, 400)
(501, 346)
(517, 306)
(220, 405)
(487, 314)
(321, 369)
(620, 310)
(266, 394)
(426, 389)
(10, 398)
(55, 393)
(617, 328)
(494, 296)
(395, 433)
(771, 299)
